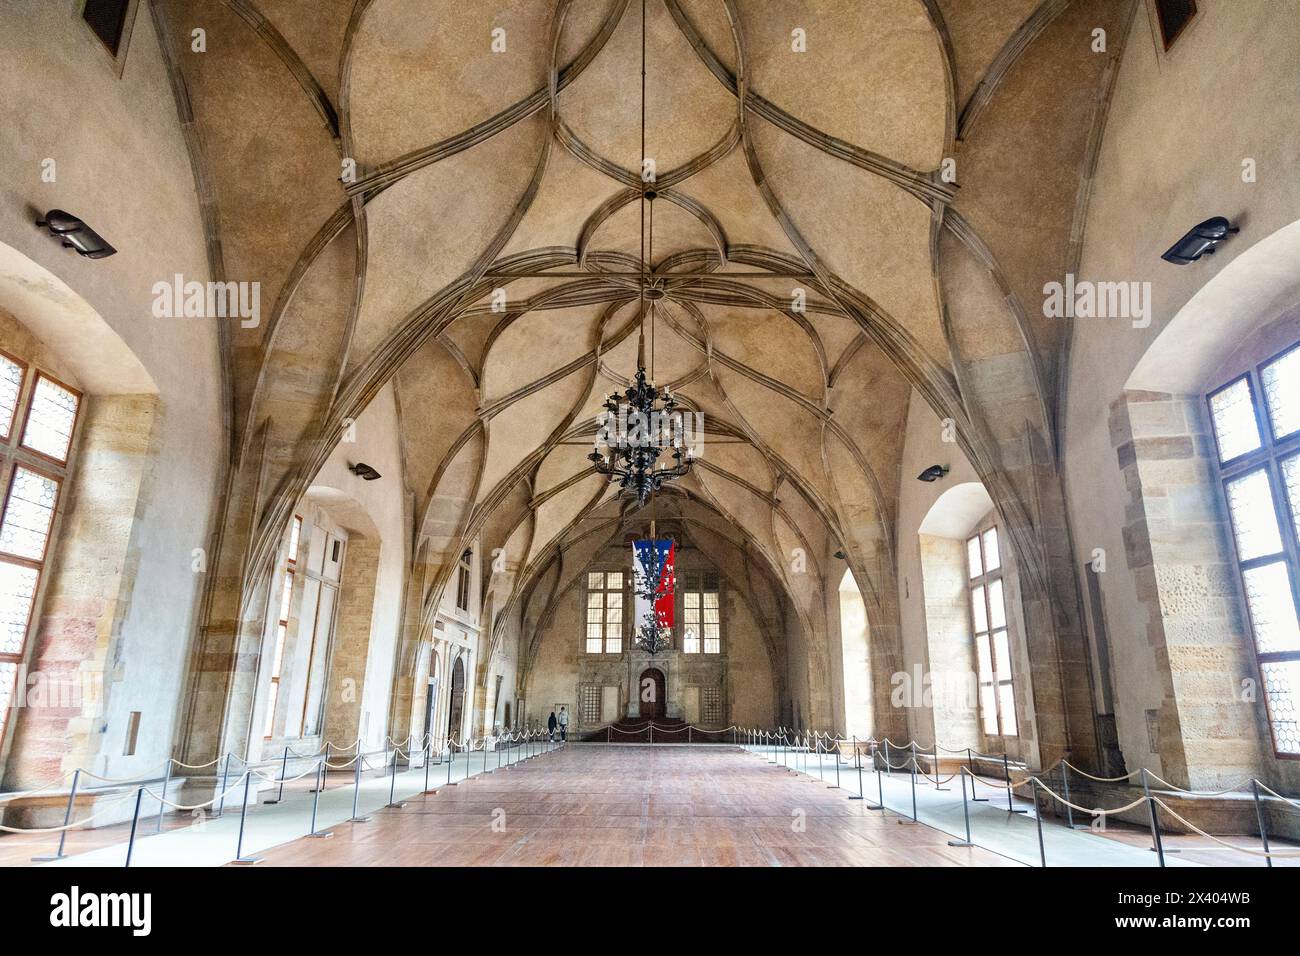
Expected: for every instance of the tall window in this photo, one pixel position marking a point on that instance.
(701, 620)
(38, 415)
(282, 627)
(1256, 421)
(988, 607)
(462, 579)
(605, 612)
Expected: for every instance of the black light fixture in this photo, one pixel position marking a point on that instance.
(650, 410)
(933, 473)
(76, 234)
(364, 471)
(1199, 240)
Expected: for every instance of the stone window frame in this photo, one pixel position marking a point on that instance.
(618, 640)
(686, 584)
(118, 58)
(985, 580)
(1268, 457)
(293, 537)
(13, 455)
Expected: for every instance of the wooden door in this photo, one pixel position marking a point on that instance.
(654, 699)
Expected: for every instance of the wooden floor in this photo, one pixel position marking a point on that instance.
(634, 806)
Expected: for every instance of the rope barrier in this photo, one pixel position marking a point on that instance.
(1230, 846)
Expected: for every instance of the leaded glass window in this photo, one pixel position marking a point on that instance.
(701, 612)
(43, 412)
(605, 600)
(988, 609)
(1256, 423)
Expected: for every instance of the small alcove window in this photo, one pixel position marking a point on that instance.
(1173, 16)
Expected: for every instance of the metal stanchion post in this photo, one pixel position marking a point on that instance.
(1156, 843)
(323, 778)
(821, 774)
(135, 821)
(167, 779)
(72, 796)
(356, 789)
(393, 802)
(858, 761)
(284, 772)
(451, 758)
(965, 809)
(225, 774)
(836, 784)
(243, 816)
(1038, 818)
(880, 786)
(428, 755)
(1006, 769)
(888, 766)
(485, 753)
(913, 820)
(935, 768)
(315, 802)
(1254, 789)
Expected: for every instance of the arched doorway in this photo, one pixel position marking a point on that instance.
(652, 691)
(457, 699)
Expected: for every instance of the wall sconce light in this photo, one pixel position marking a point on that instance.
(1199, 241)
(364, 471)
(933, 473)
(76, 234)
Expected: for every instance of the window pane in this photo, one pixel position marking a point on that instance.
(981, 613)
(50, 421)
(614, 599)
(985, 660)
(8, 674)
(1282, 393)
(690, 642)
(988, 709)
(1291, 477)
(594, 600)
(1007, 705)
(11, 383)
(692, 600)
(270, 708)
(992, 556)
(286, 592)
(17, 589)
(614, 645)
(1002, 655)
(1282, 685)
(614, 615)
(1233, 415)
(712, 639)
(614, 581)
(595, 581)
(711, 600)
(28, 515)
(711, 615)
(295, 533)
(997, 604)
(593, 645)
(277, 660)
(973, 556)
(1272, 609)
(595, 616)
(1250, 502)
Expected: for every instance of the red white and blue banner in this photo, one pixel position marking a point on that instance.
(653, 577)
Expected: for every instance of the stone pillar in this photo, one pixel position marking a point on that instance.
(1178, 545)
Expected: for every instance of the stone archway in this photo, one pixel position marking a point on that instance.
(456, 707)
(653, 693)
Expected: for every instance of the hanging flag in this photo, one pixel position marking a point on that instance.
(653, 577)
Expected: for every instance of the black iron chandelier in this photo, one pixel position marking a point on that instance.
(642, 423)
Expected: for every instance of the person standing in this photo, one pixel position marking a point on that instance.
(550, 725)
(564, 723)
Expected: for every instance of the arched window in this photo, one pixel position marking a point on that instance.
(988, 604)
(1256, 423)
(38, 416)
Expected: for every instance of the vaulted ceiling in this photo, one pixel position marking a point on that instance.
(382, 170)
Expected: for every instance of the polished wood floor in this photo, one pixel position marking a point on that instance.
(634, 806)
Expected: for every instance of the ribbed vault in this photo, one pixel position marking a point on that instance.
(817, 271)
